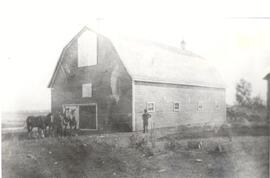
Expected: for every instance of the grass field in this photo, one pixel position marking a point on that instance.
(17, 119)
(114, 155)
(238, 151)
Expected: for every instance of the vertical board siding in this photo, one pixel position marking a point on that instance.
(112, 113)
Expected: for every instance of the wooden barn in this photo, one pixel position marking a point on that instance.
(267, 77)
(109, 81)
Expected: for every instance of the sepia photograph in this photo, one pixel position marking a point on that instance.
(143, 89)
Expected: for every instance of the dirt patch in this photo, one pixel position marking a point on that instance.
(105, 156)
(224, 131)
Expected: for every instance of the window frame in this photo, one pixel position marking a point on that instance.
(174, 103)
(154, 106)
(217, 106)
(200, 109)
(83, 89)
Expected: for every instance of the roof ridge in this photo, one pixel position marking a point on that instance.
(163, 46)
(176, 49)
(144, 41)
(157, 61)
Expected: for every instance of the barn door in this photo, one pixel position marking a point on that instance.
(88, 117)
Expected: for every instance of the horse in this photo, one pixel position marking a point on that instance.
(49, 122)
(36, 121)
(58, 124)
(72, 123)
(65, 123)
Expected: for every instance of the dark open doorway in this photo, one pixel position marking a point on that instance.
(88, 117)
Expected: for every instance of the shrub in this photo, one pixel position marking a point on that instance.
(170, 145)
(194, 144)
(141, 144)
(243, 92)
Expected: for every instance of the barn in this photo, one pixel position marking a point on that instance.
(267, 77)
(109, 81)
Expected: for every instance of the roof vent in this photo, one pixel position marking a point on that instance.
(183, 44)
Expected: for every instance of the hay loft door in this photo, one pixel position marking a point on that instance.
(88, 116)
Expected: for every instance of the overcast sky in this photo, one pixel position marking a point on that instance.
(33, 33)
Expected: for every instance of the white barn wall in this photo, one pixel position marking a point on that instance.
(165, 94)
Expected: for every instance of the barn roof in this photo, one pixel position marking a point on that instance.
(267, 74)
(154, 62)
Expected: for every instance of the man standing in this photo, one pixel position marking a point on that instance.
(73, 122)
(145, 118)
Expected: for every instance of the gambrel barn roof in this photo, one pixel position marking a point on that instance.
(154, 62)
(267, 74)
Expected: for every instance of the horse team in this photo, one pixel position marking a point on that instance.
(52, 124)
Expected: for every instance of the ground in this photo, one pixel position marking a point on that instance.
(135, 155)
(239, 149)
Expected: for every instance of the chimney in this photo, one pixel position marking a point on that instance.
(183, 44)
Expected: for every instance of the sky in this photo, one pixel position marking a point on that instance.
(33, 33)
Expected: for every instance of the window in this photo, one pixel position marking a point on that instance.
(87, 90)
(176, 106)
(217, 105)
(87, 49)
(151, 107)
(200, 106)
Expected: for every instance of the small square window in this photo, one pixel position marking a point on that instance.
(217, 105)
(200, 106)
(151, 107)
(176, 106)
(87, 90)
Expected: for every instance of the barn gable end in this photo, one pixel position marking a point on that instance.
(111, 84)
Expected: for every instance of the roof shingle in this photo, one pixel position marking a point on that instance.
(154, 62)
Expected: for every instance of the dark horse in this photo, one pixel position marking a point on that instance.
(60, 124)
(41, 122)
(48, 122)
(35, 121)
(72, 123)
